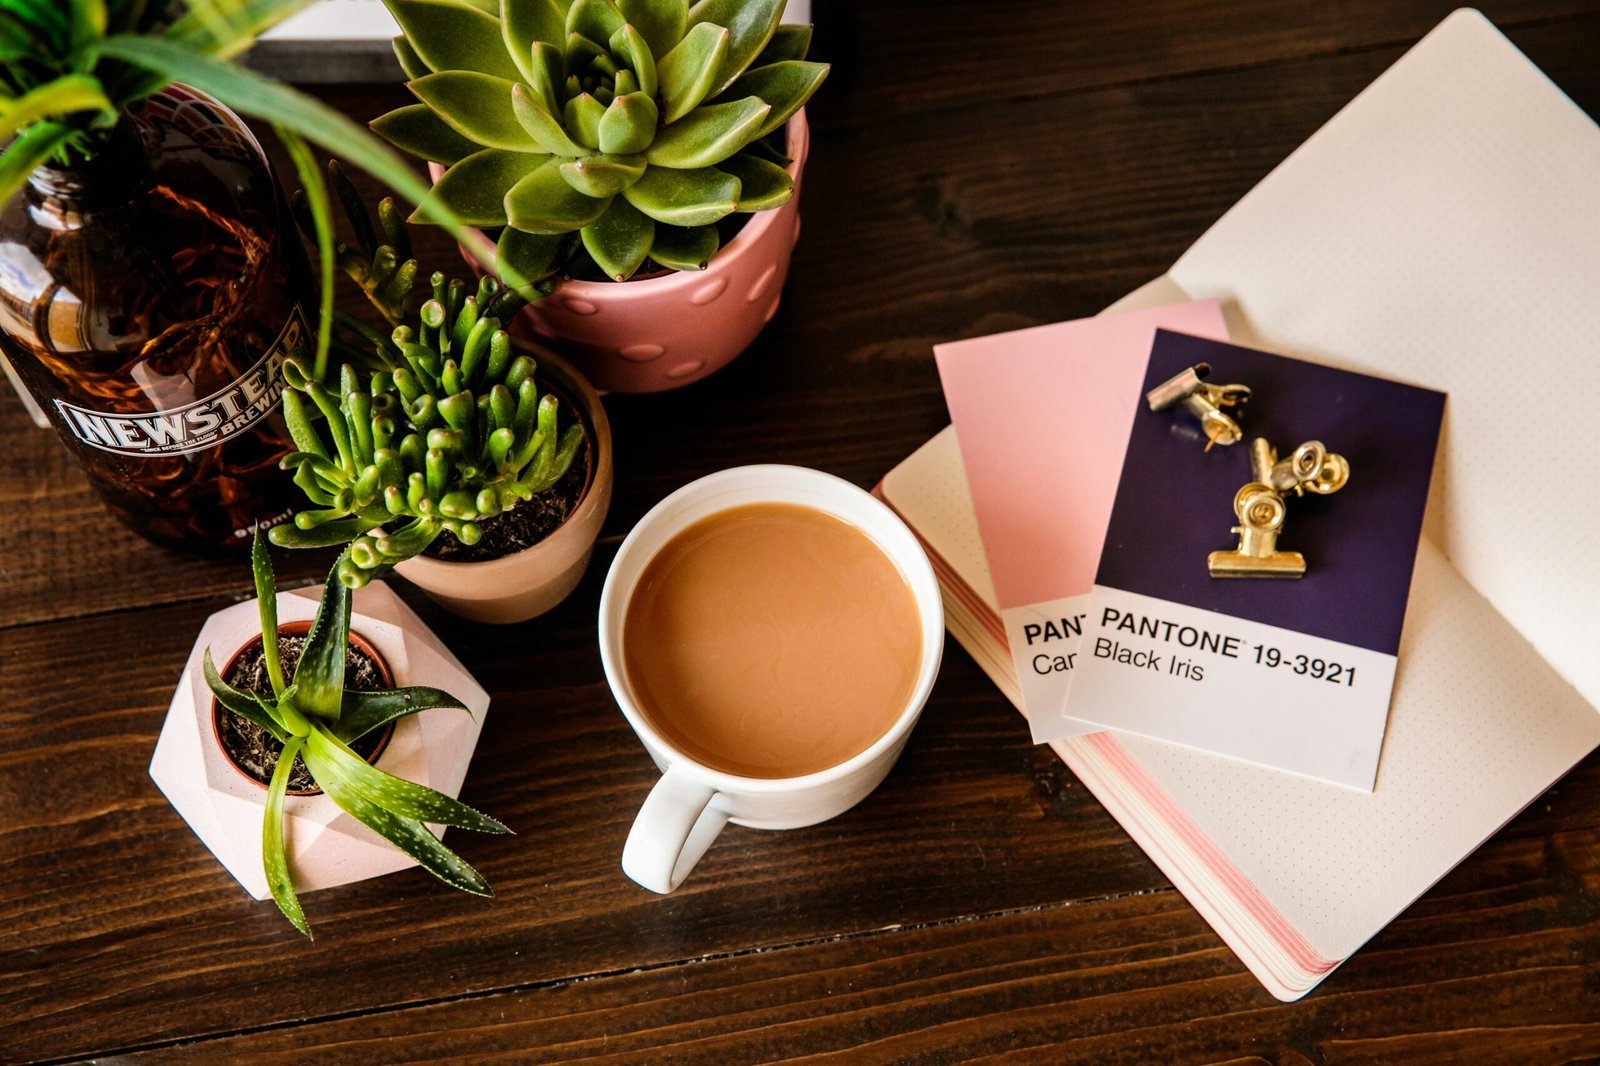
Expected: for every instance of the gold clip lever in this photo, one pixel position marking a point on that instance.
(1188, 389)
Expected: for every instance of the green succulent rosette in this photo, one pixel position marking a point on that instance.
(631, 127)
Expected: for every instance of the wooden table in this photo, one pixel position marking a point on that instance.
(971, 172)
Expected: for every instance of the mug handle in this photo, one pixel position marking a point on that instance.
(679, 820)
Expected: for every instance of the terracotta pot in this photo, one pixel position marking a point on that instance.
(664, 332)
(298, 629)
(522, 586)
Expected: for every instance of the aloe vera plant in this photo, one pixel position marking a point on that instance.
(313, 716)
(441, 428)
(633, 126)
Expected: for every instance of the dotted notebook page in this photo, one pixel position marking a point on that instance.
(1444, 229)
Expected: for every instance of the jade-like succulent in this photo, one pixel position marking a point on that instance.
(313, 716)
(633, 124)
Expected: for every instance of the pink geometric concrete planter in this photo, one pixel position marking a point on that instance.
(517, 587)
(665, 332)
(326, 847)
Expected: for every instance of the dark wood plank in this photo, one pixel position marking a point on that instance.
(1500, 962)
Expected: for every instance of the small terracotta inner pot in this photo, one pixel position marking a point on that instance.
(296, 629)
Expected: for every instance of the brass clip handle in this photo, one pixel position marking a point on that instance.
(1188, 389)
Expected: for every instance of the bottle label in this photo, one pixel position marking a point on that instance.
(196, 426)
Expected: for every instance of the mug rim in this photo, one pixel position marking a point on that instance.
(914, 568)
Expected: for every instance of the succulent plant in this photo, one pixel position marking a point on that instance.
(634, 124)
(313, 716)
(442, 428)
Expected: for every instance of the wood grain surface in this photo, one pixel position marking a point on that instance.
(970, 172)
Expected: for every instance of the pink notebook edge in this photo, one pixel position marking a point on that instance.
(1310, 968)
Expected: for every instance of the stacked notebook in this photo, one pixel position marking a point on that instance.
(1443, 228)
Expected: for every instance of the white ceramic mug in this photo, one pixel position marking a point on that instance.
(691, 802)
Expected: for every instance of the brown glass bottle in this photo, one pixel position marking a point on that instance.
(148, 297)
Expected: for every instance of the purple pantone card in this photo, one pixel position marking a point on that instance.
(1294, 674)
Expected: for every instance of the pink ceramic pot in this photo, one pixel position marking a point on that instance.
(662, 332)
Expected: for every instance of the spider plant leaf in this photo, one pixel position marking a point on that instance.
(475, 189)
(684, 197)
(660, 22)
(683, 248)
(786, 86)
(416, 129)
(451, 35)
(362, 711)
(687, 72)
(750, 24)
(242, 704)
(762, 185)
(267, 604)
(394, 794)
(260, 97)
(544, 203)
(319, 675)
(710, 135)
(477, 106)
(224, 34)
(316, 190)
(273, 858)
(26, 151)
(620, 239)
(65, 95)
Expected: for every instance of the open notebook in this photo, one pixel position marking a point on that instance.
(1444, 227)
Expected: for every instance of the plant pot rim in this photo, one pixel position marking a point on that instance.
(297, 628)
(597, 429)
(798, 139)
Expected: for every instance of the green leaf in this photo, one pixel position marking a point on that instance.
(267, 606)
(65, 95)
(319, 675)
(684, 197)
(316, 198)
(324, 536)
(363, 711)
(453, 35)
(548, 77)
(762, 185)
(536, 256)
(620, 239)
(273, 858)
(685, 249)
(603, 175)
(260, 97)
(411, 64)
(595, 20)
(477, 106)
(523, 22)
(543, 202)
(786, 86)
(750, 23)
(542, 125)
(689, 70)
(788, 42)
(476, 187)
(242, 704)
(710, 135)
(394, 794)
(582, 117)
(26, 151)
(629, 124)
(416, 129)
(630, 46)
(660, 22)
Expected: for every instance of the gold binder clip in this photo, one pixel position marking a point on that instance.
(1261, 509)
(1188, 389)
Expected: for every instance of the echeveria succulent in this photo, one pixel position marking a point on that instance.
(313, 716)
(634, 124)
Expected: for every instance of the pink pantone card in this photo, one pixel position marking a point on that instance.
(1043, 417)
